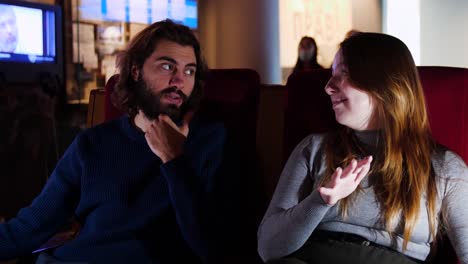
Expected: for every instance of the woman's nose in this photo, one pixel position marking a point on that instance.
(329, 88)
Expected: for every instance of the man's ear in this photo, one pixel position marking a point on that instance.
(135, 73)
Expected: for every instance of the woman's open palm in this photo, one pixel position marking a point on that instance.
(344, 182)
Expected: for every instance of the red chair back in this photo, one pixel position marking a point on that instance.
(309, 110)
(446, 91)
(110, 111)
(231, 96)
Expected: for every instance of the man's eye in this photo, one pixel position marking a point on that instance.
(167, 67)
(190, 72)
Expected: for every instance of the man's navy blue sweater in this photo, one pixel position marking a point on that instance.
(133, 208)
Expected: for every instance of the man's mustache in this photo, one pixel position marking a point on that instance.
(174, 89)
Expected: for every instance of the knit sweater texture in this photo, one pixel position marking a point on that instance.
(297, 208)
(132, 207)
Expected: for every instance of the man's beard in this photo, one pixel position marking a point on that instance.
(150, 103)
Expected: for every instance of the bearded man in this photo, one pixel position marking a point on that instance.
(145, 187)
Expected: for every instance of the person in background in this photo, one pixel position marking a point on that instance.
(8, 29)
(147, 187)
(378, 189)
(307, 55)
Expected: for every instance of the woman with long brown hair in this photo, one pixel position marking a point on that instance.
(377, 189)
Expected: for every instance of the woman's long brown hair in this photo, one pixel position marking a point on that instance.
(382, 66)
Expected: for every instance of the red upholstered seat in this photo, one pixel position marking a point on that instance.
(231, 96)
(309, 110)
(445, 88)
(227, 88)
(110, 111)
(308, 107)
(446, 91)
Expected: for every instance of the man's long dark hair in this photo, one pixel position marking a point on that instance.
(139, 49)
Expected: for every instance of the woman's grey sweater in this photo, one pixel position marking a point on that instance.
(297, 209)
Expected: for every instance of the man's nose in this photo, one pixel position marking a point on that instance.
(177, 79)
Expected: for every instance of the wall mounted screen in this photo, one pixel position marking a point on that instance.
(139, 11)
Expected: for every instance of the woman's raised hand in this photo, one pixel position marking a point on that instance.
(344, 182)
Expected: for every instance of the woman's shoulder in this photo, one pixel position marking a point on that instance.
(449, 165)
(312, 141)
(309, 147)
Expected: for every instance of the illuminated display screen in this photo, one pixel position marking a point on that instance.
(140, 11)
(27, 34)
